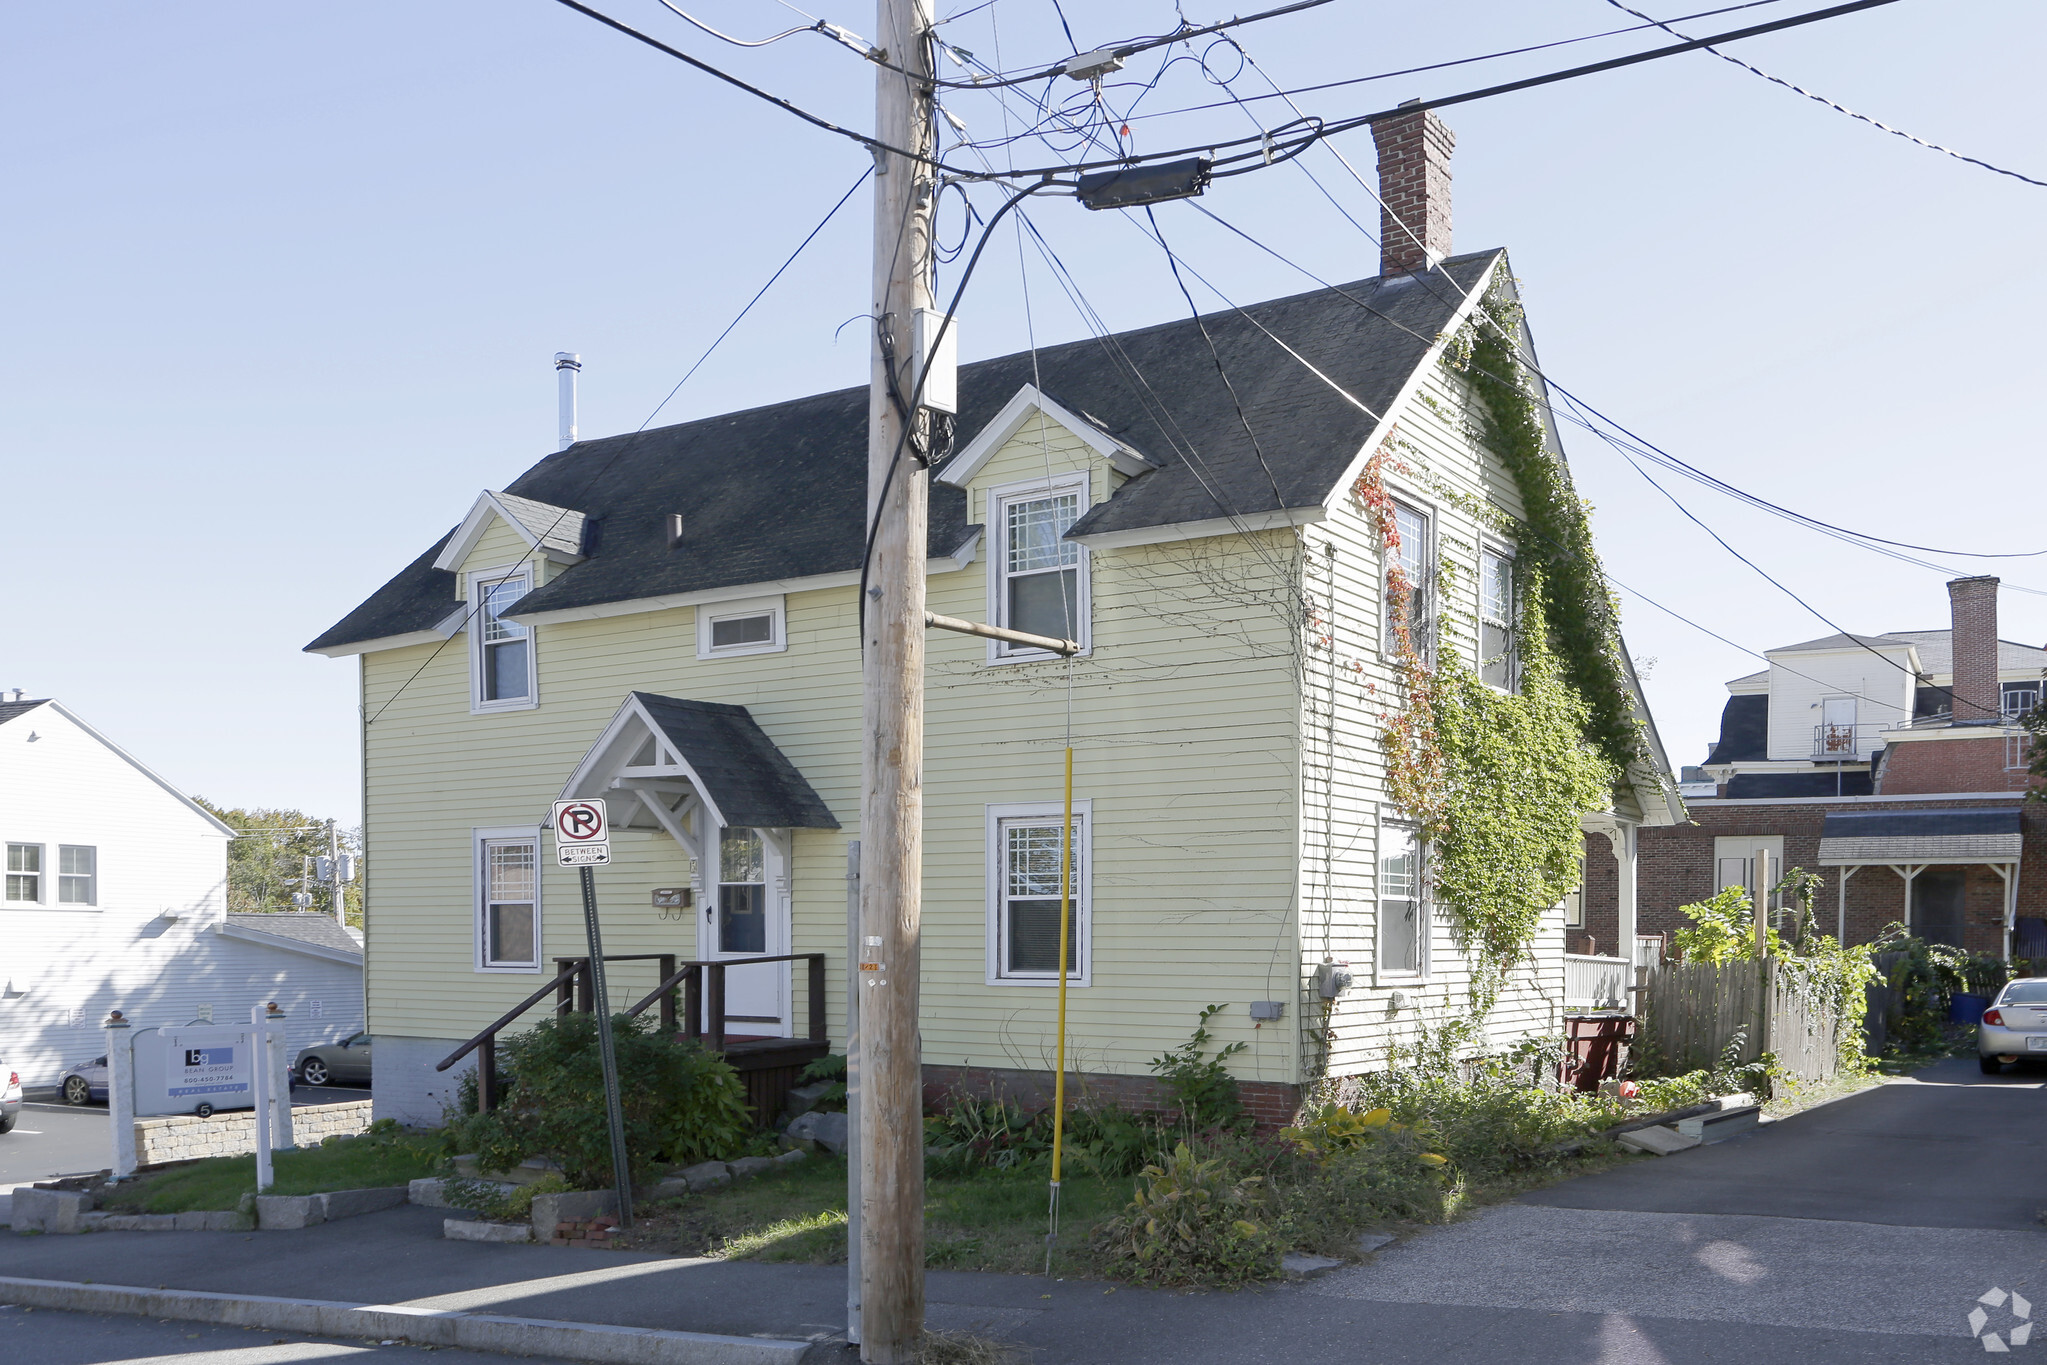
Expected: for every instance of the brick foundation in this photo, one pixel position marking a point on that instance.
(1675, 867)
(1272, 1104)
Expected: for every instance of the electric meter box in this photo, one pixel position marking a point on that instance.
(181, 1070)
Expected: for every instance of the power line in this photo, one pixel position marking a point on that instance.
(1834, 105)
(484, 588)
(816, 26)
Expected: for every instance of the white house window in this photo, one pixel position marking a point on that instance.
(508, 900)
(502, 651)
(25, 873)
(1407, 591)
(77, 874)
(742, 892)
(1574, 904)
(1040, 579)
(1496, 620)
(753, 626)
(1403, 909)
(1025, 854)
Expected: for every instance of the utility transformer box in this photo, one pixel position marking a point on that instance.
(195, 1069)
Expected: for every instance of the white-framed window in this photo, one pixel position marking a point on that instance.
(1403, 952)
(77, 874)
(502, 675)
(1414, 558)
(508, 899)
(1037, 579)
(25, 874)
(742, 891)
(1024, 855)
(1574, 904)
(1497, 662)
(753, 625)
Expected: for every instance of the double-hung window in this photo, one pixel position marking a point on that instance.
(1040, 578)
(508, 899)
(77, 874)
(1025, 857)
(1403, 904)
(1409, 568)
(1496, 620)
(25, 873)
(501, 652)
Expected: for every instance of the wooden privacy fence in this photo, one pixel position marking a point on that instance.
(1692, 1010)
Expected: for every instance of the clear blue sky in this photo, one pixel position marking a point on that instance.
(284, 283)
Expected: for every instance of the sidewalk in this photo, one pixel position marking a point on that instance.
(1383, 1312)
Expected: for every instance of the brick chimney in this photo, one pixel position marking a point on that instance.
(1974, 639)
(1414, 183)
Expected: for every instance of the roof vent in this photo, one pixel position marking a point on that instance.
(674, 529)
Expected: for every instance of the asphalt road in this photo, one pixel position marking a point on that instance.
(54, 1338)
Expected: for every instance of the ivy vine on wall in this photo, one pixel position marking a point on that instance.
(1496, 781)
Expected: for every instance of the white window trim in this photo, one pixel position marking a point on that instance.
(92, 880)
(477, 578)
(42, 876)
(775, 607)
(1434, 639)
(479, 888)
(1073, 480)
(1426, 928)
(1083, 898)
(1512, 556)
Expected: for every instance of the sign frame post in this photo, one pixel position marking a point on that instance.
(582, 840)
(260, 1082)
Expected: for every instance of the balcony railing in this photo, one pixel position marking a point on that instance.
(1847, 742)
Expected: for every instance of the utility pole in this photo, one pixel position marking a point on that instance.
(892, 644)
(334, 868)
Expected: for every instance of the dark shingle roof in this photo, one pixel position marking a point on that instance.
(1744, 730)
(779, 492)
(1781, 786)
(319, 930)
(10, 709)
(750, 780)
(1920, 824)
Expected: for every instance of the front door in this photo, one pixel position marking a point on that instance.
(1937, 905)
(747, 915)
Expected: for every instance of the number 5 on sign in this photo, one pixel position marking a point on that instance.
(582, 834)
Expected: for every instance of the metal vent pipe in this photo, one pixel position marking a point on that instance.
(566, 367)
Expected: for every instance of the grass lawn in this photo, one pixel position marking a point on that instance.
(220, 1182)
(993, 1220)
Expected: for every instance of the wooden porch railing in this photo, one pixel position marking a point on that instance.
(574, 992)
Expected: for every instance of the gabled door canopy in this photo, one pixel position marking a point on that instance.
(692, 768)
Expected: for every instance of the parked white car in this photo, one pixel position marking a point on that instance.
(2014, 1026)
(10, 1096)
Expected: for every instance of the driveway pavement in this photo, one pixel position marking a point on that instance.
(1864, 1231)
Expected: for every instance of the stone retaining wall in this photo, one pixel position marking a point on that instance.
(184, 1137)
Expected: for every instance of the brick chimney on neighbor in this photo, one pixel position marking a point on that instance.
(1414, 185)
(1978, 697)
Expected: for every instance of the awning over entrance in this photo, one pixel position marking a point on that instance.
(1920, 836)
(680, 756)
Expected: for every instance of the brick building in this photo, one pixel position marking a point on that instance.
(1891, 765)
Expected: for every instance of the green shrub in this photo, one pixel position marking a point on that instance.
(1202, 1088)
(1495, 1123)
(830, 1067)
(1192, 1220)
(682, 1104)
(992, 1133)
(488, 1199)
(1109, 1141)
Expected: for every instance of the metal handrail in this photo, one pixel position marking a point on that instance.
(691, 975)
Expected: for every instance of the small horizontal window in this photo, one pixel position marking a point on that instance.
(754, 626)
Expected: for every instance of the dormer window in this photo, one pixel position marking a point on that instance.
(1040, 577)
(501, 651)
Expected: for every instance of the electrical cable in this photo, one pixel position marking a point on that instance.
(605, 468)
(815, 26)
(1835, 106)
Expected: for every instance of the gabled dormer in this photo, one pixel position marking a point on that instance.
(505, 548)
(1030, 473)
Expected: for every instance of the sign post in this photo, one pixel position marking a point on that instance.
(582, 840)
(261, 1080)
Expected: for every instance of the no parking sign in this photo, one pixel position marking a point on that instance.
(582, 834)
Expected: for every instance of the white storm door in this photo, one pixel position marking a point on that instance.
(746, 915)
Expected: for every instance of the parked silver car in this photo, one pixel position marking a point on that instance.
(84, 1082)
(2014, 1026)
(344, 1063)
(10, 1096)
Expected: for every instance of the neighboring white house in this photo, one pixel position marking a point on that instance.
(115, 897)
